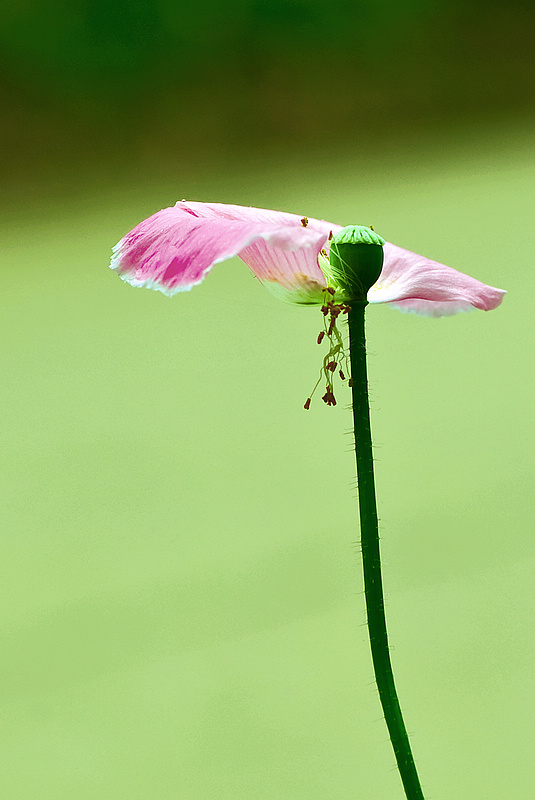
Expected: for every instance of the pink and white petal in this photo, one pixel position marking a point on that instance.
(413, 283)
(432, 308)
(252, 214)
(173, 250)
(293, 274)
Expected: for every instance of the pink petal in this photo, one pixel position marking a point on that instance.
(415, 283)
(174, 250)
(431, 308)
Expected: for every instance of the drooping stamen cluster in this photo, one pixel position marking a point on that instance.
(336, 359)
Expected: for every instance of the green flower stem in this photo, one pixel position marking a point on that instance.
(373, 586)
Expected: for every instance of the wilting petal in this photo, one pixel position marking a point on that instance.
(174, 250)
(416, 284)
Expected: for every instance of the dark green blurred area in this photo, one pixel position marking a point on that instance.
(98, 79)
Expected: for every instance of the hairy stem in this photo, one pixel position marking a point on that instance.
(373, 585)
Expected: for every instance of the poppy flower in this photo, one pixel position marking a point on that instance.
(175, 249)
(341, 269)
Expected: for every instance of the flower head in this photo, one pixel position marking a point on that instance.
(176, 248)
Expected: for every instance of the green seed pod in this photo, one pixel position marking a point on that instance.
(356, 260)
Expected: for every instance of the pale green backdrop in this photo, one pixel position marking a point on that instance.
(182, 611)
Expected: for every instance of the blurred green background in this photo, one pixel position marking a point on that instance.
(182, 612)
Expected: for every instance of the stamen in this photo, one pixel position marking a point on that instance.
(329, 397)
(304, 222)
(336, 358)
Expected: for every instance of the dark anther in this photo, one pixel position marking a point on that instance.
(324, 310)
(330, 235)
(331, 290)
(342, 376)
(331, 366)
(328, 398)
(320, 336)
(307, 404)
(304, 222)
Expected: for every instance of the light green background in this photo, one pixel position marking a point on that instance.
(182, 611)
